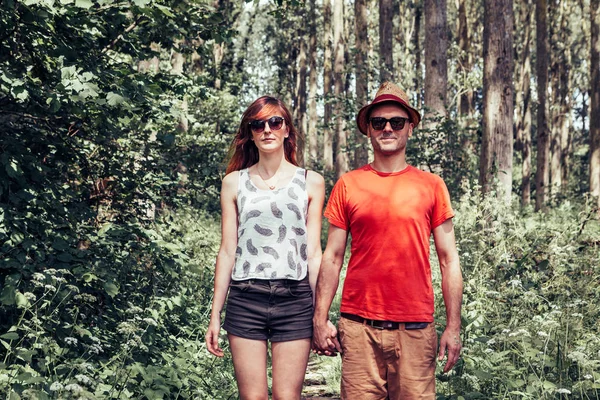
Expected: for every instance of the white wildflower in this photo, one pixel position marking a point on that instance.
(83, 379)
(71, 341)
(150, 321)
(588, 377)
(30, 296)
(563, 391)
(56, 386)
(73, 387)
(488, 351)
(50, 288)
(542, 334)
(95, 349)
(38, 277)
(134, 310)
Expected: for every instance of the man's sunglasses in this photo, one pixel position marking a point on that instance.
(258, 125)
(397, 123)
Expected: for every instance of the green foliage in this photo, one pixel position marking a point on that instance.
(530, 304)
(100, 295)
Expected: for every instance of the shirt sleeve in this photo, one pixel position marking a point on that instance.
(442, 209)
(335, 211)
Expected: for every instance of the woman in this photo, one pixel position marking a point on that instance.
(269, 256)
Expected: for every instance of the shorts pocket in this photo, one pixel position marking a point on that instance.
(300, 289)
(240, 286)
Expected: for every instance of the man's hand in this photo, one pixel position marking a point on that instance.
(325, 341)
(450, 343)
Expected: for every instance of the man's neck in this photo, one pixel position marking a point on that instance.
(394, 163)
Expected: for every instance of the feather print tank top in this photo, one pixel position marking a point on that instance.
(271, 230)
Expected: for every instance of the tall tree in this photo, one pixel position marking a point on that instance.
(311, 133)
(523, 99)
(436, 57)
(341, 155)
(465, 100)
(300, 89)
(543, 145)
(327, 86)
(417, 49)
(497, 142)
(361, 64)
(386, 16)
(595, 99)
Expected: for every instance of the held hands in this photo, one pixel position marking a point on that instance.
(212, 336)
(325, 341)
(450, 342)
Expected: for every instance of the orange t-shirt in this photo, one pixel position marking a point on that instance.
(390, 217)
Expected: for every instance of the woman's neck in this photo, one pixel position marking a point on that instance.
(270, 164)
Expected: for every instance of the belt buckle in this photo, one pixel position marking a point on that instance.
(371, 323)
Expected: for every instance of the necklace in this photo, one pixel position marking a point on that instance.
(271, 187)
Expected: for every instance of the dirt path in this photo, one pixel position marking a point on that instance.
(315, 386)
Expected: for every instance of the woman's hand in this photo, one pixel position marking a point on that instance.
(212, 336)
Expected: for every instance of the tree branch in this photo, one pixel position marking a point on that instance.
(118, 38)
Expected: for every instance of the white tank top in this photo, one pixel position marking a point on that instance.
(271, 230)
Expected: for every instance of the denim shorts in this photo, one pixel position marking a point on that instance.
(278, 310)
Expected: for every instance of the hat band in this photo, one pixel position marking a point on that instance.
(390, 97)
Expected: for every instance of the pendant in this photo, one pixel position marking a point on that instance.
(272, 187)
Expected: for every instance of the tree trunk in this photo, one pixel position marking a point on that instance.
(555, 173)
(386, 14)
(436, 61)
(465, 100)
(327, 83)
(417, 46)
(523, 102)
(300, 106)
(341, 159)
(497, 141)
(312, 139)
(361, 152)
(595, 99)
(541, 176)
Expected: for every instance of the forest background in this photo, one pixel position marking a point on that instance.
(115, 122)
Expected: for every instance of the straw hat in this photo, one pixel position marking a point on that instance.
(387, 92)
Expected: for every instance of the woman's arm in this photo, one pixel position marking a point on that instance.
(225, 259)
(315, 187)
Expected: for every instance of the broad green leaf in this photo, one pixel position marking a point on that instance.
(13, 396)
(83, 4)
(111, 289)
(7, 296)
(104, 229)
(114, 99)
(21, 300)
(165, 10)
(89, 277)
(10, 336)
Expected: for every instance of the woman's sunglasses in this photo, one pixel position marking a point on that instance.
(397, 123)
(258, 125)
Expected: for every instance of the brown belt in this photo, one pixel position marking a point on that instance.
(391, 325)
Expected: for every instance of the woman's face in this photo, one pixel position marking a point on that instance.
(269, 130)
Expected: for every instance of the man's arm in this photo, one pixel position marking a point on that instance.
(452, 289)
(325, 334)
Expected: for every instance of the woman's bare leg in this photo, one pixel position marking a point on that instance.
(250, 364)
(289, 367)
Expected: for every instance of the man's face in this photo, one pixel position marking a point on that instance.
(388, 141)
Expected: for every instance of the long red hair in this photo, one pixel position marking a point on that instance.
(243, 151)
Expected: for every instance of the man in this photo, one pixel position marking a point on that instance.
(386, 333)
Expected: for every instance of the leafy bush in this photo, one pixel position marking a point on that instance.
(530, 304)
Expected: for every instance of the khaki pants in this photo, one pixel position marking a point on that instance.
(387, 364)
